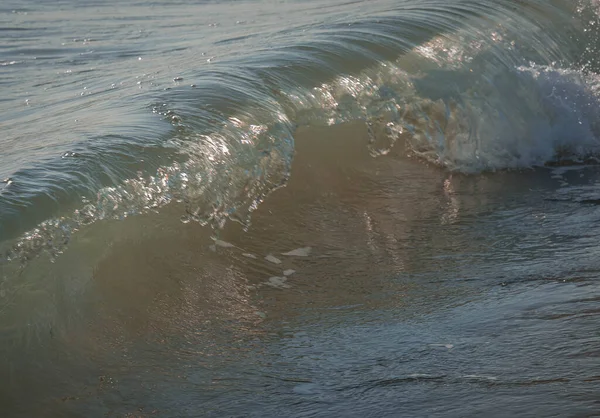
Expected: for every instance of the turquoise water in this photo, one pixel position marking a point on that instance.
(299, 208)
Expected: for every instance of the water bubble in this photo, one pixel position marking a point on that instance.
(278, 282)
(448, 346)
(224, 244)
(273, 259)
(299, 252)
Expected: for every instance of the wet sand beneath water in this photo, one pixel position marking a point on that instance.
(365, 286)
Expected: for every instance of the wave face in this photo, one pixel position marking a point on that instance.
(130, 112)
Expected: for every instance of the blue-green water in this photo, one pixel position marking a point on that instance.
(299, 208)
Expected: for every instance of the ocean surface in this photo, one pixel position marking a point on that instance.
(299, 208)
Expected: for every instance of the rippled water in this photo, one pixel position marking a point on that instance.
(299, 208)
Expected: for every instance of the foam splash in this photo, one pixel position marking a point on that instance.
(527, 117)
(470, 104)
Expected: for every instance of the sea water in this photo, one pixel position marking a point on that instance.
(299, 208)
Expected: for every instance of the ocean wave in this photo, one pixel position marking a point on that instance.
(468, 85)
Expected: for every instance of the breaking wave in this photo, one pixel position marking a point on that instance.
(467, 85)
